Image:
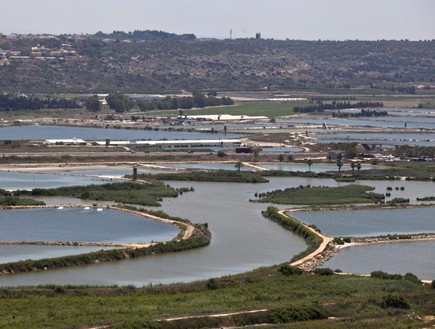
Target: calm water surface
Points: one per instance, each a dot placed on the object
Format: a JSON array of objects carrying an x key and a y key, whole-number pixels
[
  {"x": 421, "y": 139},
  {"x": 371, "y": 222},
  {"x": 13, "y": 253},
  {"x": 242, "y": 239},
  {"x": 11, "y": 180},
  {"x": 84, "y": 225},
  {"x": 37, "y": 132},
  {"x": 414, "y": 257}
]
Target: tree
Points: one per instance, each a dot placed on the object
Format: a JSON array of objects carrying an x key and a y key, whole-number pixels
[
  {"x": 145, "y": 106},
  {"x": 93, "y": 104},
  {"x": 256, "y": 153},
  {"x": 199, "y": 99},
  {"x": 309, "y": 163},
  {"x": 238, "y": 165},
  {"x": 353, "y": 165},
  {"x": 358, "y": 167},
  {"x": 281, "y": 158},
  {"x": 118, "y": 102},
  {"x": 339, "y": 164}
]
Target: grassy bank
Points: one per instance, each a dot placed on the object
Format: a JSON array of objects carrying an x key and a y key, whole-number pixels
[
  {"x": 8, "y": 199},
  {"x": 147, "y": 194},
  {"x": 313, "y": 240},
  {"x": 321, "y": 195},
  {"x": 232, "y": 176},
  {"x": 350, "y": 302}
]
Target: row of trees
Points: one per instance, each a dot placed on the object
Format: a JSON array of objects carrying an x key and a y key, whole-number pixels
[
  {"x": 15, "y": 103},
  {"x": 335, "y": 106},
  {"x": 121, "y": 103},
  {"x": 340, "y": 163},
  {"x": 362, "y": 113},
  {"x": 144, "y": 35}
]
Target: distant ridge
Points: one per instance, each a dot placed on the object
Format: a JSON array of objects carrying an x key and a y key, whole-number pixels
[{"x": 161, "y": 62}]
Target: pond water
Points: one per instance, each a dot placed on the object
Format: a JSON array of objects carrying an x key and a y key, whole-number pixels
[
  {"x": 420, "y": 139},
  {"x": 38, "y": 132},
  {"x": 315, "y": 167},
  {"x": 207, "y": 166},
  {"x": 373, "y": 222},
  {"x": 242, "y": 239},
  {"x": 404, "y": 257},
  {"x": 398, "y": 119},
  {"x": 11, "y": 180},
  {"x": 79, "y": 224},
  {"x": 282, "y": 150},
  {"x": 13, "y": 253}
]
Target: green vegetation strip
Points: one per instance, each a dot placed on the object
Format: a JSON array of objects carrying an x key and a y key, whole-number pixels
[
  {"x": 147, "y": 194},
  {"x": 321, "y": 195},
  {"x": 210, "y": 176},
  {"x": 355, "y": 302},
  {"x": 267, "y": 109},
  {"x": 7, "y": 199}
]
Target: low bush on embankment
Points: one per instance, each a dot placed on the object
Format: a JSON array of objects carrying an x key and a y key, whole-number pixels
[
  {"x": 322, "y": 195},
  {"x": 8, "y": 199},
  {"x": 230, "y": 176},
  {"x": 312, "y": 239},
  {"x": 147, "y": 194}
]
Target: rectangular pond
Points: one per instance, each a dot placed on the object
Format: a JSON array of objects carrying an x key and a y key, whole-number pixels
[
  {"x": 81, "y": 225},
  {"x": 413, "y": 257},
  {"x": 370, "y": 222}
]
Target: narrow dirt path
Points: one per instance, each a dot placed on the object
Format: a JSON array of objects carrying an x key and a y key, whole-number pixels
[{"x": 325, "y": 242}]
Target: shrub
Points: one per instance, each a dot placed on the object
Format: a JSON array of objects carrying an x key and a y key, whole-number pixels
[
  {"x": 212, "y": 284},
  {"x": 137, "y": 325},
  {"x": 433, "y": 284},
  {"x": 395, "y": 301},
  {"x": 290, "y": 270},
  {"x": 385, "y": 276},
  {"x": 314, "y": 311},
  {"x": 323, "y": 271},
  {"x": 411, "y": 277}
]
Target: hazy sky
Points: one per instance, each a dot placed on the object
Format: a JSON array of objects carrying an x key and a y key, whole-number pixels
[{"x": 279, "y": 19}]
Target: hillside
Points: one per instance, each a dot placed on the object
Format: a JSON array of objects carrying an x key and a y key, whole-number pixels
[{"x": 103, "y": 63}]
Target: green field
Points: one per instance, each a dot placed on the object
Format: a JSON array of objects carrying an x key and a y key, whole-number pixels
[
  {"x": 268, "y": 109},
  {"x": 353, "y": 302}
]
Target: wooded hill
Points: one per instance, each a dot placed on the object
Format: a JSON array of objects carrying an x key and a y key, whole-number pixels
[{"x": 149, "y": 63}]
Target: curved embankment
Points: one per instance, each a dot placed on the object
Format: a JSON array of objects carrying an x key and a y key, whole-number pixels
[
  {"x": 315, "y": 257},
  {"x": 190, "y": 236},
  {"x": 186, "y": 230},
  {"x": 329, "y": 248}
]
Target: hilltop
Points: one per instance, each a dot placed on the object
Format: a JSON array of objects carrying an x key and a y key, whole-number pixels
[{"x": 152, "y": 61}]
